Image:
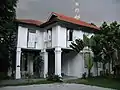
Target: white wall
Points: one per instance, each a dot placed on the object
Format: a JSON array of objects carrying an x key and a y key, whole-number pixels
[
  {"x": 88, "y": 34},
  {"x": 39, "y": 35},
  {"x": 22, "y": 37},
  {"x": 64, "y": 64},
  {"x": 62, "y": 37},
  {"x": 77, "y": 34},
  {"x": 73, "y": 64},
  {"x": 58, "y": 36},
  {"x": 54, "y": 37}
]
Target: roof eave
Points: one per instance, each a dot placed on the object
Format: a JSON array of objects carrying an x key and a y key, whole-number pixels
[
  {"x": 20, "y": 22},
  {"x": 95, "y": 29}
]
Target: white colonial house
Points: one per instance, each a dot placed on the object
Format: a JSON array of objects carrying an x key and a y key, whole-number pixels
[{"x": 51, "y": 40}]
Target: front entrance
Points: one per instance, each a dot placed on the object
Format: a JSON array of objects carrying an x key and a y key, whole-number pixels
[
  {"x": 31, "y": 64},
  {"x": 51, "y": 63}
]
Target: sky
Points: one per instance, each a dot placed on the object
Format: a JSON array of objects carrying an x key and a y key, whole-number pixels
[{"x": 95, "y": 11}]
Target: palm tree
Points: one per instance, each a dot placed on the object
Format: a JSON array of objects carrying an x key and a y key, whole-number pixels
[
  {"x": 77, "y": 45},
  {"x": 89, "y": 42},
  {"x": 89, "y": 62}
]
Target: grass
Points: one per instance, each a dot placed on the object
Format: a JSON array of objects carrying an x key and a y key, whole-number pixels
[
  {"x": 28, "y": 83},
  {"x": 102, "y": 82}
]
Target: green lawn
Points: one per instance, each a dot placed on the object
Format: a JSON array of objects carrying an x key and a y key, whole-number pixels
[
  {"x": 30, "y": 82},
  {"x": 102, "y": 82}
]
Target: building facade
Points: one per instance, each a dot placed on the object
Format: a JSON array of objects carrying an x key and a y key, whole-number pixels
[{"x": 51, "y": 41}]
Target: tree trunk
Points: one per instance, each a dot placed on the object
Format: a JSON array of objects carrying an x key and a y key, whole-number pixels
[
  {"x": 97, "y": 68},
  {"x": 109, "y": 67},
  {"x": 89, "y": 74},
  {"x": 104, "y": 69}
]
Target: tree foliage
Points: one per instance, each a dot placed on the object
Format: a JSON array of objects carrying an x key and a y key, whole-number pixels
[
  {"x": 38, "y": 62},
  {"x": 7, "y": 32},
  {"x": 77, "y": 45},
  {"x": 111, "y": 43},
  {"x": 105, "y": 45}
]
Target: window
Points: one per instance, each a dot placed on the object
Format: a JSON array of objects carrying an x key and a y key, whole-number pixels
[
  {"x": 69, "y": 34},
  {"x": 31, "y": 38},
  {"x": 45, "y": 36},
  {"x": 48, "y": 35},
  {"x": 49, "y": 32}
]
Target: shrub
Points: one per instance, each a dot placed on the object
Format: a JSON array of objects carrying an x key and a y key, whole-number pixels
[
  {"x": 28, "y": 75},
  {"x": 84, "y": 75},
  {"x": 91, "y": 74},
  {"x": 101, "y": 73},
  {"x": 3, "y": 76},
  {"x": 54, "y": 78},
  {"x": 50, "y": 77}
]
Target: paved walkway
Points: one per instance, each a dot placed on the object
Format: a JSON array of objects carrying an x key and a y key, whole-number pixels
[{"x": 56, "y": 86}]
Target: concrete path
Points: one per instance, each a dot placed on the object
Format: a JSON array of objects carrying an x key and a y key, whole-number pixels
[{"x": 56, "y": 86}]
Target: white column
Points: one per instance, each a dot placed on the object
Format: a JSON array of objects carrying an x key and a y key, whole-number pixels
[
  {"x": 45, "y": 57},
  {"x": 58, "y": 61},
  {"x": 18, "y": 57}
]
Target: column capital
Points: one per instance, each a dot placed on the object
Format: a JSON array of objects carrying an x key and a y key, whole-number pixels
[
  {"x": 18, "y": 50},
  {"x": 58, "y": 49},
  {"x": 43, "y": 50}
]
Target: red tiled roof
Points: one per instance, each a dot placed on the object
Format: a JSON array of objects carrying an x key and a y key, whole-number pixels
[
  {"x": 30, "y": 21},
  {"x": 74, "y": 21},
  {"x": 59, "y": 17}
]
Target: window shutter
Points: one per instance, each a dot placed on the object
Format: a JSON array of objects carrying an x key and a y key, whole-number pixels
[
  {"x": 49, "y": 35},
  {"x": 68, "y": 34},
  {"x": 31, "y": 38},
  {"x": 45, "y": 36}
]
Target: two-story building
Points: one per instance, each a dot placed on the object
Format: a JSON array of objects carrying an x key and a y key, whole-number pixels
[{"x": 51, "y": 40}]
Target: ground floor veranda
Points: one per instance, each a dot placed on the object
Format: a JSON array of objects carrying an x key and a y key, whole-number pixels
[{"x": 55, "y": 61}]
